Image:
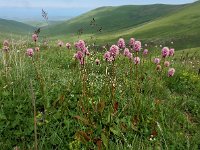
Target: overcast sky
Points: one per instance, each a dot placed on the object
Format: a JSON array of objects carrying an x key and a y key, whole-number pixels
[{"x": 82, "y": 3}]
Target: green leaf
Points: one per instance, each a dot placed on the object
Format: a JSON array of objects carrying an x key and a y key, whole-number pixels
[{"x": 105, "y": 140}]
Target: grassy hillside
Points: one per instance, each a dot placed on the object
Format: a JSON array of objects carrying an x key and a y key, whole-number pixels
[
  {"x": 181, "y": 27},
  {"x": 114, "y": 18},
  {"x": 10, "y": 26}
]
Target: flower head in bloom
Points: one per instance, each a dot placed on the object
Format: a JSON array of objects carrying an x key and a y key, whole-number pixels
[
  {"x": 132, "y": 42},
  {"x": 145, "y": 52},
  {"x": 171, "y": 52},
  {"x": 79, "y": 55},
  {"x": 37, "y": 49},
  {"x": 165, "y": 52},
  {"x": 60, "y": 43},
  {"x": 6, "y": 43},
  {"x": 35, "y": 37},
  {"x": 68, "y": 45},
  {"x": 121, "y": 43},
  {"x": 166, "y": 63},
  {"x": 130, "y": 55},
  {"x": 137, "y": 46},
  {"x": 126, "y": 52},
  {"x": 157, "y": 60},
  {"x": 158, "y": 68},
  {"x": 171, "y": 72},
  {"x": 106, "y": 56},
  {"x": 114, "y": 50},
  {"x": 80, "y": 44},
  {"x": 137, "y": 60},
  {"x": 30, "y": 52},
  {"x": 97, "y": 61}
]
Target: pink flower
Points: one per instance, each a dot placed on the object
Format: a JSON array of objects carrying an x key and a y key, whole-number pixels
[
  {"x": 165, "y": 52},
  {"x": 6, "y": 43},
  {"x": 79, "y": 55},
  {"x": 157, "y": 60},
  {"x": 158, "y": 68},
  {"x": 166, "y": 63},
  {"x": 121, "y": 43},
  {"x": 171, "y": 52},
  {"x": 126, "y": 52},
  {"x": 37, "y": 49},
  {"x": 30, "y": 52},
  {"x": 171, "y": 72},
  {"x": 132, "y": 42},
  {"x": 137, "y": 46},
  {"x": 97, "y": 61},
  {"x": 107, "y": 55},
  {"x": 35, "y": 37},
  {"x": 114, "y": 50},
  {"x": 60, "y": 43},
  {"x": 68, "y": 45},
  {"x": 137, "y": 60},
  {"x": 145, "y": 52},
  {"x": 130, "y": 55},
  {"x": 80, "y": 45}
]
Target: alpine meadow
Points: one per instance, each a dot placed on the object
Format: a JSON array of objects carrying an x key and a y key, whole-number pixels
[{"x": 115, "y": 77}]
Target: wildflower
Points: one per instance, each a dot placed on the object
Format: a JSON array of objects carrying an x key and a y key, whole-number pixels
[
  {"x": 114, "y": 50},
  {"x": 121, "y": 43},
  {"x": 171, "y": 72},
  {"x": 35, "y": 37},
  {"x": 171, "y": 52},
  {"x": 130, "y": 55},
  {"x": 79, "y": 55},
  {"x": 137, "y": 46},
  {"x": 97, "y": 61},
  {"x": 126, "y": 52},
  {"x": 107, "y": 55},
  {"x": 145, "y": 52},
  {"x": 37, "y": 49},
  {"x": 165, "y": 52},
  {"x": 68, "y": 45},
  {"x": 137, "y": 60},
  {"x": 157, "y": 61},
  {"x": 30, "y": 52},
  {"x": 60, "y": 43},
  {"x": 166, "y": 63},
  {"x": 158, "y": 68},
  {"x": 132, "y": 42},
  {"x": 81, "y": 44},
  {"x": 6, "y": 43}
]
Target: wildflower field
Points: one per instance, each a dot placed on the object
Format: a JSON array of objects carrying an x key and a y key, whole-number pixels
[{"x": 125, "y": 95}]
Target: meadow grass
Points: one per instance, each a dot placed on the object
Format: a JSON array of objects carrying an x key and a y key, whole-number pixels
[{"x": 105, "y": 106}]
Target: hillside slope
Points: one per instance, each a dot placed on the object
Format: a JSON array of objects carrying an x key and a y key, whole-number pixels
[
  {"x": 10, "y": 26},
  {"x": 182, "y": 27},
  {"x": 114, "y": 18}
]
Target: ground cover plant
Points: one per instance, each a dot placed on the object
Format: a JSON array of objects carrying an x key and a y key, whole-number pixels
[{"x": 121, "y": 96}]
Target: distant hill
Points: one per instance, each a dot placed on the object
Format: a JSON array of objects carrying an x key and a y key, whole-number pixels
[
  {"x": 114, "y": 18},
  {"x": 10, "y": 26}
]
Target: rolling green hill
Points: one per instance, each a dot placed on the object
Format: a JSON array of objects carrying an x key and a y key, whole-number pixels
[
  {"x": 114, "y": 18},
  {"x": 182, "y": 27},
  {"x": 10, "y": 26}
]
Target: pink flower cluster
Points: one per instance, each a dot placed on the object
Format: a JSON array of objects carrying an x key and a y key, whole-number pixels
[
  {"x": 121, "y": 43},
  {"x": 171, "y": 72},
  {"x": 137, "y": 60},
  {"x": 127, "y": 53},
  {"x": 68, "y": 45},
  {"x": 112, "y": 53},
  {"x": 35, "y": 37},
  {"x": 60, "y": 43},
  {"x": 30, "y": 52},
  {"x": 145, "y": 52},
  {"x": 165, "y": 52},
  {"x": 82, "y": 51},
  {"x": 157, "y": 61}
]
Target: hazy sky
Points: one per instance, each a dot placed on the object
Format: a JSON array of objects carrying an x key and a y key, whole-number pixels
[{"x": 81, "y": 3}]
